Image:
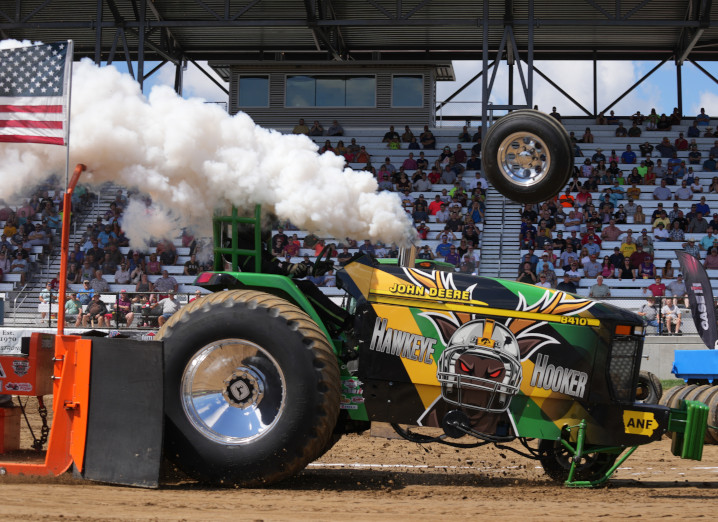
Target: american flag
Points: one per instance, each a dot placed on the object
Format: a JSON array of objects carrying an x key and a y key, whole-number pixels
[{"x": 34, "y": 93}]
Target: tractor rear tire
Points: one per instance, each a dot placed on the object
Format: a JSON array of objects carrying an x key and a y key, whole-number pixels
[
  {"x": 527, "y": 156},
  {"x": 650, "y": 389},
  {"x": 709, "y": 397},
  {"x": 252, "y": 389},
  {"x": 556, "y": 462},
  {"x": 669, "y": 394}
]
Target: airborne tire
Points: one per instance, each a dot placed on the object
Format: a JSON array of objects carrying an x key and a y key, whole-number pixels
[
  {"x": 649, "y": 389},
  {"x": 556, "y": 462},
  {"x": 527, "y": 156},
  {"x": 251, "y": 389}
]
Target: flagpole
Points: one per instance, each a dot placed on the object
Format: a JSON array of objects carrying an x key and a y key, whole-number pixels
[
  {"x": 67, "y": 198},
  {"x": 68, "y": 76}
]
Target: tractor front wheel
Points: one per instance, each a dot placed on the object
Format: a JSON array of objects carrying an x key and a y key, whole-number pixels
[{"x": 251, "y": 389}]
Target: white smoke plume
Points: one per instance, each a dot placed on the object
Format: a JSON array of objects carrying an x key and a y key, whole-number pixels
[{"x": 192, "y": 157}]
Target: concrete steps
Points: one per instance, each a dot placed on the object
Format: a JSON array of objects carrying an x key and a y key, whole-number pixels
[{"x": 500, "y": 252}]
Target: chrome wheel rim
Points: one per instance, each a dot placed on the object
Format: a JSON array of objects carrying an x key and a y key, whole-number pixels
[
  {"x": 524, "y": 158},
  {"x": 233, "y": 391}
]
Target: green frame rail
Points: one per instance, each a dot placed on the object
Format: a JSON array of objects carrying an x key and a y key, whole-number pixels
[{"x": 233, "y": 251}]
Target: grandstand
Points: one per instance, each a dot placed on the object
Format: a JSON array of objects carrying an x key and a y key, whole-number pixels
[{"x": 499, "y": 248}]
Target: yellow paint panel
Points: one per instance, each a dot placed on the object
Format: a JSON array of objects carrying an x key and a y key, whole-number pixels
[
  {"x": 361, "y": 275},
  {"x": 471, "y": 308},
  {"x": 428, "y": 393},
  {"x": 400, "y": 318},
  {"x": 639, "y": 422}
]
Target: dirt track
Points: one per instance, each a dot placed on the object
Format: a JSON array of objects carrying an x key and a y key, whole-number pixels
[{"x": 369, "y": 478}]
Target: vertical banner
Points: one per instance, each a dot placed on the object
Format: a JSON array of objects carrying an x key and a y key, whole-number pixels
[{"x": 700, "y": 298}]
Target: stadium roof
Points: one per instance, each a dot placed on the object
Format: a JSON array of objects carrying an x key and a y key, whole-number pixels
[{"x": 369, "y": 29}]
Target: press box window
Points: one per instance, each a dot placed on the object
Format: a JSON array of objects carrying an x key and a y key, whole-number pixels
[
  {"x": 254, "y": 91},
  {"x": 331, "y": 91},
  {"x": 407, "y": 91}
]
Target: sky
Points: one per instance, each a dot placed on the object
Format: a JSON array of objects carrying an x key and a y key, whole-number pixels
[{"x": 575, "y": 77}]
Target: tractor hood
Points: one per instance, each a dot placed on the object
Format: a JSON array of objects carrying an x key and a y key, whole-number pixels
[{"x": 450, "y": 291}]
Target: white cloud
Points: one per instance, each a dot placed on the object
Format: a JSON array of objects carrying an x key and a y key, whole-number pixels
[
  {"x": 574, "y": 77},
  {"x": 195, "y": 83},
  {"x": 708, "y": 100}
]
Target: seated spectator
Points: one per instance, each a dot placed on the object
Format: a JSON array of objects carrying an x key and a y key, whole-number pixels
[
  {"x": 677, "y": 289},
  {"x": 647, "y": 270},
  {"x": 191, "y": 267},
  {"x": 123, "y": 309},
  {"x": 672, "y": 316},
  {"x": 143, "y": 286},
  {"x": 657, "y": 288},
  {"x": 410, "y": 163},
  {"x": 708, "y": 241},
  {"x": 543, "y": 281},
  {"x": 608, "y": 270},
  {"x": 316, "y": 129},
  {"x": 421, "y": 208},
  {"x": 638, "y": 256},
  {"x": 390, "y": 135},
  {"x": 363, "y": 156},
  {"x": 661, "y": 234},
  {"x": 168, "y": 305},
  {"x": 711, "y": 261},
  {"x": 122, "y": 274},
  {"x": 428, "y": 141},
  {"x": 697, "y": 224},
  {"x": 460, "y": 154},
  {"x": 683, "y": 192},
  {"x": 153, "y": 267},
  {"x": 703, "y": 119},
  {"x": 301, "y": 128},
  {"x": 691, "y": 248},
  {"x": 611, "y": 232},
  {"x": 95, "y": 313},
  {"x": 694, "y": 131},
  {"x": 599, "y": 290},
  {"x": 681, "y": 143},
  {"x": 19, "y": 265},
  {"x": 464, "y": 136},
  {"x": 621, "y": 131},
  {"x": 666, "y": 148},
  {"x": 408, "y": 135},
  {"x": 73, "y": 309},
  {"x": 566, "y": 285},
  {"x": 335, "y": 129},
  {"x": 98, "y": 283},
  {"x": 527, "y": 275},
  {"x": 709, "y": 165},
  {"x": 664, "y": 123},
  {"x": 662, "y": 192},
  {"x": 628, "y": 156},
  {"x": 634, "y": 131},
  {"x": 555, "y": 114},
  {"x": 694, "y": 156},
  {"x": 327, "y": 147},
  {"x": 626, "y": 271},
  {"x": 648, "y": 313},
  {"x": 592, "y": 268}
]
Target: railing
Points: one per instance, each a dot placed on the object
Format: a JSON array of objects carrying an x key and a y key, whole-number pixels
[
  {"x": 460, "y": 113},
  {"x": 144, "y": 317}
]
